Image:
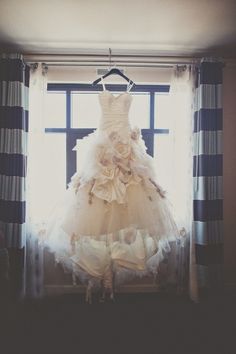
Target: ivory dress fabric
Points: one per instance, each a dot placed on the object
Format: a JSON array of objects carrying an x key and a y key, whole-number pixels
[{"x": 115, "y": 218}]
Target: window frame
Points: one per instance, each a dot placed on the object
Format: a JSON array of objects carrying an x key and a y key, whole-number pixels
[{"x": 72, "y": 134}]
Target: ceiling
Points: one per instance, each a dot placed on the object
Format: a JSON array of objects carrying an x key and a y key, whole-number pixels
[{"x": 163, "y": 27}]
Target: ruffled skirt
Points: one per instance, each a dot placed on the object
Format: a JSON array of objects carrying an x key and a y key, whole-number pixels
[{"x": 114, "y": 216}]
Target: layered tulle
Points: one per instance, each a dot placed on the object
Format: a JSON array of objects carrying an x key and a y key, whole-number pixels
[{"x": 114, "y": 218}]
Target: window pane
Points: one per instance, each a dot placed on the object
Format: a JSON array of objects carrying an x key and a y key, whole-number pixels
[
  {"x": 163, "y": 112},
  {"x": 47, "y": 180},
  {"x": 163, "y": 155},
  {"x": 85, "y": 110},
  {"x": 55, "y": 109},
  {"x": 55, "y": 174},
  {"x": 140, "y": 110}
]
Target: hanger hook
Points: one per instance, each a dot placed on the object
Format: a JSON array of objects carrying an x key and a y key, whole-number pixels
[{"x": 110, "y": 57}]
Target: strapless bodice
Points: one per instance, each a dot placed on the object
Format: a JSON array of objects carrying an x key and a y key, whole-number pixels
[{"x": 114, "y": 111}]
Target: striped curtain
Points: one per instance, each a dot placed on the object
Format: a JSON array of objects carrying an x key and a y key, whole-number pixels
[
  {"x": 14, "y": 87},
  {"x": 207, "y": 176}
]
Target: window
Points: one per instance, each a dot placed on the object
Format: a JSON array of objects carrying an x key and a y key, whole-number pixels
[{"x": 72, "y": 111}]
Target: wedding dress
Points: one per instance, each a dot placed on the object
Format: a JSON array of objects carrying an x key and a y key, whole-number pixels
[{"x": 115, "y": 219}]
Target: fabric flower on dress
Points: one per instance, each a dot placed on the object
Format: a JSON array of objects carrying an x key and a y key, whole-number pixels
[
  {"x": 123, "y": 149},
  {"x": 135, "y": 133},
  {"x": 107, "y": 165},
  {"x": 114, "y": 159},
  {"x": 109, "y": 172}
]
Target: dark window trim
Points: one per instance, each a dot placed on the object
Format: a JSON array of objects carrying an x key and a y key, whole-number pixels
[{"x": 112, "y": 87}]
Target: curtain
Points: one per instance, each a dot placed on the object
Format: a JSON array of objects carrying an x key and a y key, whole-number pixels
[
  {"x": 14, "y": 85},
  {"x": 181, "y": 95},
  {"x": 14, "y": 90},
  {"x": 207, "y": 176},
  {"x": 36, "y": 181},
  {"x": 180, "y": 193}
]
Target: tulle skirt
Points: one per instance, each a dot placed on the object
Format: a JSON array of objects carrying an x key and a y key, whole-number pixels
[{"x": 114, "y": 216}]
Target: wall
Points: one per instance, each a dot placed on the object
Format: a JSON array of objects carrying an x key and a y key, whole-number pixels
[
  {"x": 88, "y": 74},
  {"x": 229, "y": 170}
]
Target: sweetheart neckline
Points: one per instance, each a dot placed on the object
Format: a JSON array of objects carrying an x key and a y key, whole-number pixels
[{"x": 115, "y": 97}]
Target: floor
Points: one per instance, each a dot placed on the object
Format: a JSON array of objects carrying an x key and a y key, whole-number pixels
[{"x": 134, "y": 323}]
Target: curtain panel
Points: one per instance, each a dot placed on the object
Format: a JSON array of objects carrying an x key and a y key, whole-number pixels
[
  {"x": 14, "y": 88},
  {"x": 36, "y": 175},
  {"x": 208, "y": 175}
]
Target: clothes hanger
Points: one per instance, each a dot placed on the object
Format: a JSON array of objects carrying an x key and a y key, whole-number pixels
[{"x": 113, "y": 70}]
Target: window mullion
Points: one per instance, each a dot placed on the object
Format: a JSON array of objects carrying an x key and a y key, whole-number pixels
[
  {"x": 152, "y": 102},
  {"x": 68, "y": 109},
  {"x": 70, "y": 165},
  {"x": 152, "y": 112}
]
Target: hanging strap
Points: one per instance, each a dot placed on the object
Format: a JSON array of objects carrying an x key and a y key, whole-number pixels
[
  {"x": 104, "y": 87},
  {"x": 129, "y": 85}
]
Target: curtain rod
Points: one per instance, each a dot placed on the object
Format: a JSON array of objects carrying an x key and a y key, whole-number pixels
[{"x": 137, "y": 60}]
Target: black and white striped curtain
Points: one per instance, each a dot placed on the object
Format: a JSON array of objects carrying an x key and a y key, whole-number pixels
[
  {"x": 14, "y": 87},
  {"x": 208, "y": 175}
]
